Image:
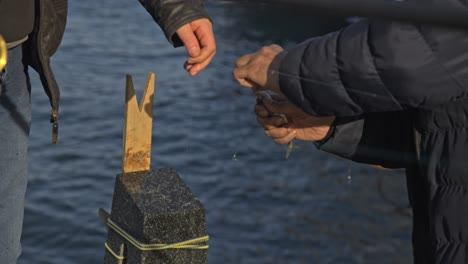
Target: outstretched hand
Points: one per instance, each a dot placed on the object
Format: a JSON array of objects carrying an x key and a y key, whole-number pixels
[
  {"x": 199, "y": 41},
  {"x": 283, "y": 121},
  {"x": 260, "y": 70}
]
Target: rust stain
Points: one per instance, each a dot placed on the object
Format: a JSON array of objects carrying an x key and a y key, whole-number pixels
[{"x": 137, "y": 160}]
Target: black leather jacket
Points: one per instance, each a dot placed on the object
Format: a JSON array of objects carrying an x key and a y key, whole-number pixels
[{"x": 49, "y": 27}]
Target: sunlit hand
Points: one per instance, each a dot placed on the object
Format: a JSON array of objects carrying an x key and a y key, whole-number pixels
[
  {"x": 198, "y": 39},
  {"x": 296, "y": 125},
  {"x": 259, "y": 70}
]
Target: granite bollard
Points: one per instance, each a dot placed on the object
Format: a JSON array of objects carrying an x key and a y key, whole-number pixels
[
  {"x": 155, "y": 207},
  {"x": 155, "y": 218}
]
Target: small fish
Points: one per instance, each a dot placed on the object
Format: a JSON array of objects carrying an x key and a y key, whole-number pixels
[
  {"x": 262, "y": 95},
  {"x": 290, "y": 147}
]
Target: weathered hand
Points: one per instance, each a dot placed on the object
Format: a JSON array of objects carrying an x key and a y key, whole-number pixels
[
  {"x": 299, "y": 125},
  {"x": 199, "y": 41},
  {"x": 260, "y": 70}
]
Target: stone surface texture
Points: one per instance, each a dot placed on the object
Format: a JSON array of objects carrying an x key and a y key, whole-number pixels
[{"x": 155, "y": 207}]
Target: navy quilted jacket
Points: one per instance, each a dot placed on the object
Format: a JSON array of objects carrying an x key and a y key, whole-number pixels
[{"x": 400, "y": 94}]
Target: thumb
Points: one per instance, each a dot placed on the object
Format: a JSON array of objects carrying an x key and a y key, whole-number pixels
[{"x": 189, "y": 39}]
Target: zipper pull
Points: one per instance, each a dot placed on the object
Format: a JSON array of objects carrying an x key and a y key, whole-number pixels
[{"x": 54, "y": 121}]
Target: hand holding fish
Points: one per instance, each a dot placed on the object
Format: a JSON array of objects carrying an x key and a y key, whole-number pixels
[
  {"x": 284, "y": 122},
  {"x": 260, "y": 70}
]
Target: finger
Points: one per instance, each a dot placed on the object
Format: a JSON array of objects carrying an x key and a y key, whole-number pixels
[
  {"x": 187, "y": 36},
  {"x": 276, "y": 48},
  {"x": 281, "y": 107},
  {"x": 187, "y": 66},
  {"x": 240, "y": 74},
  {"x": 278, "y": 97},
  {"x": 285, "y": 140},
  {"x": 246, "y": 83},
  {"x": 244, "y": 60},
  {"x": 270, "y": 123},
  {"x": 205, "y": 54},
  {"x": 261, "y": 111},
  {"x": 204, "y": 33},
  {"x": 278, "y": 132},
  {"x": 201, "y": 66}
]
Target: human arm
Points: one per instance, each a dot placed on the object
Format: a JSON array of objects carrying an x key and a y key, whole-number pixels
[
  {"x": 185, "y": 23},
  {"x": 385, "y": 139},
  {"x": 284, "y": 122},
  {"x": 376, "y": 66},
  {"x": 370, "y": 66}
]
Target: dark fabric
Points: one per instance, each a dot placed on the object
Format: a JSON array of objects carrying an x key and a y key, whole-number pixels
[
  {"x": 172, "y": 14},
  {"x": 409, "y": 85},
  {"x": 375, "y": 66},
  {"x": 384, "y": 139},
  {"x": 436, "y": 165},
  {"x": 443, "y": 164},
  {"x": 49, "y": 27},
  {"x": 16, "y": 19},
  {"x": 344, "y": 138}
]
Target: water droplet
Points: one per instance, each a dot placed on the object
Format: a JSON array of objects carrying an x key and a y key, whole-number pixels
[{"x": 348, "y": 177}]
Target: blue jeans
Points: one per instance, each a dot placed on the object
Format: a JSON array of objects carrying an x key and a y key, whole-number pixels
[{"x": 15, "y": 119}]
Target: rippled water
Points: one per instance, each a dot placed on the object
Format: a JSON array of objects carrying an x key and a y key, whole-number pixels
[{"x": 261, "y": 208}]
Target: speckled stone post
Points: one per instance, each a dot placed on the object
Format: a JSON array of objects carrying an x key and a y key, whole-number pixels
[{"x": 155, "y": 207}]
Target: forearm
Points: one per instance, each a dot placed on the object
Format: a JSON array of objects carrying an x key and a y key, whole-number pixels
[
  {"x": 375, "y": 66},
  {"x": 384, "y": 139}
]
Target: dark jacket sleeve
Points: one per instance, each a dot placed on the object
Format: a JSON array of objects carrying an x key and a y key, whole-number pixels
[
  {"x": 384, "y": 139},
  {"x": 376, "y": 66},
  {"x": 172, "y": 14}
]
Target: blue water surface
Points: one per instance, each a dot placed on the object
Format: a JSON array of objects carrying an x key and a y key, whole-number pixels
[{"x": 261, "y": 208}]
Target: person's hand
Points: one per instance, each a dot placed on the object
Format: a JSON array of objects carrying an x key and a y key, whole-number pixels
[
  {"x": 198, "y": 39},
  {"x": 260, "y": 70},
  {"x": 284, "y": 122}
]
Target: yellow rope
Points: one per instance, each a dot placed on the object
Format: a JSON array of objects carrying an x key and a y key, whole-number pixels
[
  {"x": 188, "y": 244},
  {"x": 113, "y": 253}
]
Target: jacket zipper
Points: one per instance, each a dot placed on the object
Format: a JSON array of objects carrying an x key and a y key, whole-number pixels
[{"x": 54, "y": 121}]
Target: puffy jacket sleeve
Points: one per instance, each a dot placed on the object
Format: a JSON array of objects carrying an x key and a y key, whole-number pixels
[
  {"x": 172, "y": 14},
  {"x": 384, "y": 139},
  {"x": 376, "y": 66}
]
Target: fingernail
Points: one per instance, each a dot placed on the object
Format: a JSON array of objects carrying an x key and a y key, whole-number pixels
[{"x": 194, "y": 70}]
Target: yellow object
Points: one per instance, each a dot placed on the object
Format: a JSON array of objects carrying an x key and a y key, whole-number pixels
[
  {"x": 3, "y": 53},
  {"x": 188, "y": 244},
  {"x": 138, "y": 127}
]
